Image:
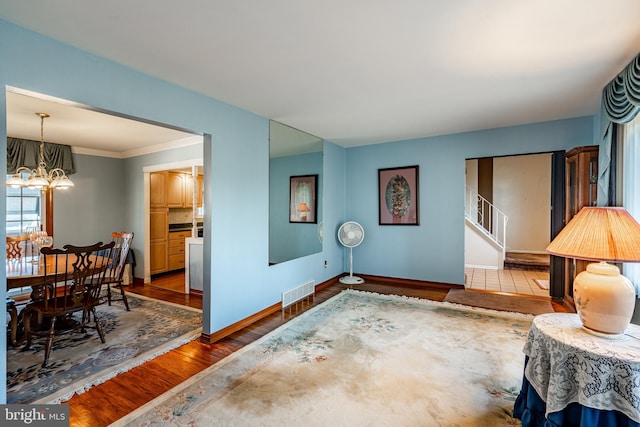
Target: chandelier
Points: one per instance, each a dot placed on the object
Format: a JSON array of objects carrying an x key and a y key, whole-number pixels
[{"x": 39, "y": 177}]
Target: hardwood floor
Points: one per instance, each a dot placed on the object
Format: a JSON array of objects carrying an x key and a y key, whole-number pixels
[
  {"x": 171, "y": 281},
  {"x": 106, "y": 403}
]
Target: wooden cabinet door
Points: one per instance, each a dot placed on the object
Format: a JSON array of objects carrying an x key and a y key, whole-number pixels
[
  {"x": 158, "y": 189},
  {"x": 159, "y": 240},
  {"x": 581, "y": 191},
  {"x": 175, "y": 190},
  {"x": 159, "y": 257},
  {"x": 188, "y": 190},
  {"x": 159, "y": 221}
]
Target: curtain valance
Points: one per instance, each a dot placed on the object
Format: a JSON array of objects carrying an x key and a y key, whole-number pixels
[
  {"x": 620, "y": 104},
  {"x": 621, "y": 97},
  {"x": 25, "y": 152}
]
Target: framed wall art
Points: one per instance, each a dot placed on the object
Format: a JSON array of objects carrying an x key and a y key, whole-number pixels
[
  {"x": 398, "y": 197},
  {"x": 303, "y": 201}
]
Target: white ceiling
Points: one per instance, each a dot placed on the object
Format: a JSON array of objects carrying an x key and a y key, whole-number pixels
[
  {"x": 88, "y": 131},
  {"x": 363, "y": 71}
]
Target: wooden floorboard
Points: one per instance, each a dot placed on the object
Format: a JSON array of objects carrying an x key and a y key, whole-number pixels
[{"x": 107, "y": 402}]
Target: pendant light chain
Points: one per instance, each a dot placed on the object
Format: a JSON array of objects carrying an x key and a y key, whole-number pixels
[{"x": 43, "y": 116}]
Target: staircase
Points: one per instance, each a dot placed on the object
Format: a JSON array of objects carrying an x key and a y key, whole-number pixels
[{"x": 487, "y": 219}]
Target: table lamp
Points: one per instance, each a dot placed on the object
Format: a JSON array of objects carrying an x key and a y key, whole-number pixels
[
  {"x": 604, "y": 298},
  {"x": 303, "y": 209}
]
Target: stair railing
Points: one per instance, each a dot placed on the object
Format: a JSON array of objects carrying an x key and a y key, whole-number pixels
[{"x": 487, "y": 218}]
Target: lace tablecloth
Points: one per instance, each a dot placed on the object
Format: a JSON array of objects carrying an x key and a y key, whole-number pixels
[{"x": 569, "y": 365}]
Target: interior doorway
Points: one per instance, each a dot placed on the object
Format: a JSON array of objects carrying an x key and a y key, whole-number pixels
[
  {"x": 190, "y": 216},
  {"x": 519, "y": 186}
]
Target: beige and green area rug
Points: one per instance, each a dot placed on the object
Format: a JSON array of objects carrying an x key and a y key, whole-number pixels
[
  {"x": 80, "y": 361},
  {"x": 361, "y": 359}
]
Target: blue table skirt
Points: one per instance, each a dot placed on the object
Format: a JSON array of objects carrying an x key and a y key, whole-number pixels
[{"x": 530, "y": 409}]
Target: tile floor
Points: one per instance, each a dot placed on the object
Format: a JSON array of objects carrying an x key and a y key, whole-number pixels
[{"x": 512, "y": 281}]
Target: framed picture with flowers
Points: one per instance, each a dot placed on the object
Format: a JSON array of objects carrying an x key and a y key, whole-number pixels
[{"x": 398, "y": 197}]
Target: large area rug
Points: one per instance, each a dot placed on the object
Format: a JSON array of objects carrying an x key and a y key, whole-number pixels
[
  {"x": 78, "y": 362},
  {"x": 499, "y": 302},
  {"x": 361, "y": 359}
]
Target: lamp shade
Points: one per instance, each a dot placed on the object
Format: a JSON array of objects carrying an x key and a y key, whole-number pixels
[
  {"x": 599, "y": 234},
  {"x": 604, "y": 299},
  {"x": 302, "y": 207}
]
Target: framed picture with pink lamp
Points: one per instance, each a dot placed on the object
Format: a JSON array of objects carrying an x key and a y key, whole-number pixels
[{"x": 303, "y": 201}]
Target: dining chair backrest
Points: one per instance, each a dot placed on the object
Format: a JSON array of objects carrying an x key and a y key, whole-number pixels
[
  {"x": 122, "y": 242},
  {"x": 72, "y": 276},
  {"x": 14, "y": 248},
  {"x": 72, "y": 281}
]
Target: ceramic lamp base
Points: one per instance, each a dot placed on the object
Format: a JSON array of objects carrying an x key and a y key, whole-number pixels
[{"x": 604, "y": 299}]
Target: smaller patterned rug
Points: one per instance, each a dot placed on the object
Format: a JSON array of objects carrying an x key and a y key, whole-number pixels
[
  {"x": 360, "y": 359},
  {"x": 79, "y": 361},
  {"x": 499, "y": 302}
]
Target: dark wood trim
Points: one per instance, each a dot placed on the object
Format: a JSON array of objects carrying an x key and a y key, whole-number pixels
[
  {"x": 558, "y": 200},
  {"x": 248, "y": 321},
  {"x": 409, "y": 282},
  {"x": 239, "y": 325},
  {"x": 48, "y": 200},
  {"x": 327, "y": 283}
]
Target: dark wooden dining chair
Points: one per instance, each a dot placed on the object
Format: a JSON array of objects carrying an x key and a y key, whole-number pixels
[
  {"x": 14, "y": 247},
  {"x": 72, "y": 281},
  {"x": 114, "y": 275}
]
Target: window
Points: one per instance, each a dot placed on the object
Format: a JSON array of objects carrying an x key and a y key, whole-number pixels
[
  {"x": 630, "y": 184},
  {"x": 28, "y": 208}
]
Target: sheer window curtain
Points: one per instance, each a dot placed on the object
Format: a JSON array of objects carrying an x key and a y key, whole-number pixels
[{"x": 631, "y": 187}]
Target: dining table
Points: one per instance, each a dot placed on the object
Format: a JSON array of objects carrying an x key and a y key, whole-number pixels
[{"x": 25, "y": 271}]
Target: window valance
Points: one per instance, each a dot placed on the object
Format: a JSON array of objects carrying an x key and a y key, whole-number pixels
[
  {"x": 620, "y": 104},
  {"x": 621, "y": 97},
  {"x": 25, "y": 152}
]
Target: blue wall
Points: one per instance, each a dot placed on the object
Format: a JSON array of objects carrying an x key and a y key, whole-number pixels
[
  {"x": 434, "y": 250},
  {"x": 90, "y": 211}
]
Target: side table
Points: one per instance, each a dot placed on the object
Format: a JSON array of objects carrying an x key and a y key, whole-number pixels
[{"x": 574, "y": 378}]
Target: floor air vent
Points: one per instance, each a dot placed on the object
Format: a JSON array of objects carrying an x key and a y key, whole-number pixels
[{"x": 296, "y": 294}]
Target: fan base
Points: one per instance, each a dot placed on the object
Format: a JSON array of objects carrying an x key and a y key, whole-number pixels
[{"x": 351, "y": 280}]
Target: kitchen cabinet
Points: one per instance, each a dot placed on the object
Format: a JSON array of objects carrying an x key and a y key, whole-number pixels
[
  {"x": 176, "y": 189},
  {"x": 179, "y": 190},
  {"x": 581, "y": 191},
  {"x": 171, "y": 189},
  {"x": 188, "y": 191},
  {"x": 177, "y": 249},
  {"x": 158, "y": 190},
  {"x": 159, "y": 240}
]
